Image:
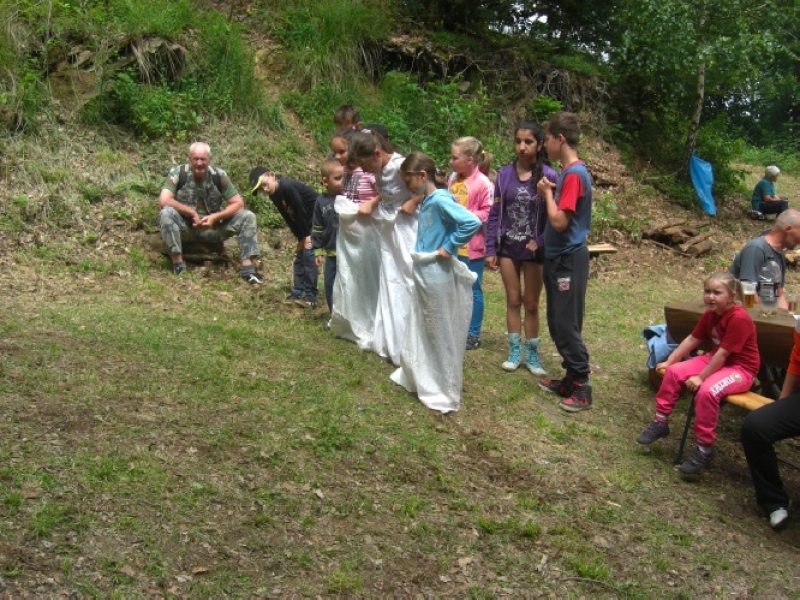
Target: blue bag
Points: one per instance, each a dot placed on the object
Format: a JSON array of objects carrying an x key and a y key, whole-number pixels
[
  {"x": 703, "y": 180},
  {"x": 659, "y": 344}
]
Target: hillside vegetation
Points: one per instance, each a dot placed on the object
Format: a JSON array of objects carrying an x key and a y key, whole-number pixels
[{"x": 190, "y": 437}]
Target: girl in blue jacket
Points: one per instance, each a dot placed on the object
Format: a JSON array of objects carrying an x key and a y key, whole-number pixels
[{"x": 435, "y": 341}]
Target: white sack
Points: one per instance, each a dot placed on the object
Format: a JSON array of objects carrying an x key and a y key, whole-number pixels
[
  {"x": 355, "y": 291},
  {"x": 435, "y": 342},
  {"x": 398, "y": 236}
]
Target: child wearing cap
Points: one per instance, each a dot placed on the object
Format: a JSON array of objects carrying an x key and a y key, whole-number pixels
[{"x": 295, "y": 201}]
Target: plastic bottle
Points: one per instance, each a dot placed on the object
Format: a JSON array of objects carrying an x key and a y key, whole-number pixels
[{"x": 769, "y": 278}]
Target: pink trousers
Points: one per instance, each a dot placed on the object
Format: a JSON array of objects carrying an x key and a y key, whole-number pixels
[{"x": 728, "y": 380}]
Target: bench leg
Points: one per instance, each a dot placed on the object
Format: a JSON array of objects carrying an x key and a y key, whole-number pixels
[{"x": 689, "y": 417}]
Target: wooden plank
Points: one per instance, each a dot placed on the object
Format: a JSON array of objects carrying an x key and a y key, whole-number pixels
[
  {"x": 748, "y": 401},
  {"x": 595, "y": 249}
]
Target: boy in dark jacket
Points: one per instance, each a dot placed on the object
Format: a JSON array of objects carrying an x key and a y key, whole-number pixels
[
  {"x": 325, "y": 225},
  {"x": 295, "y": 201}
]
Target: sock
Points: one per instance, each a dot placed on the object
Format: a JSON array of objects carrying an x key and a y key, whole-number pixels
[
  {"x": 661, "y": 418},
  {"x": 704, "y": 449}
]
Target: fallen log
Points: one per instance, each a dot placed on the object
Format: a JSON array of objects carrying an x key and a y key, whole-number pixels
[
  {"x": 662, "y": 226},
  {"x": 696, "y": 240},
  {"x": 703, "y": 247}
]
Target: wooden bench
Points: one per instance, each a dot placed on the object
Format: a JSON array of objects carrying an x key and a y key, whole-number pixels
[{"x": 747, "y": 401}]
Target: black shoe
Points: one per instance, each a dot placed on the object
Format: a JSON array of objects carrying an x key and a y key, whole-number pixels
[
  {"x": 580, "y": 399},
  {"x": 562, "y": 387},
  {"x": 697, "y": 461},
  {"x": 473, "y": 341},
  {"x": 654, "y": 431},
  {"x": 178, "y": 269},
  {"x": 252, "y": 278},
  {"x": 292, "y": 298}
]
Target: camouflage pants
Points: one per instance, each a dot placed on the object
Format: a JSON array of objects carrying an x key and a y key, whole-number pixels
[{"x": 175, "y": 229}]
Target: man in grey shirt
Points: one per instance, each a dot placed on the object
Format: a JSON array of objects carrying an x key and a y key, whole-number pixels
[{"x": 784, "y": 235}]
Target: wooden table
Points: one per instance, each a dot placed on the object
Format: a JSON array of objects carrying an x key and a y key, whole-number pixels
[{"x": 775, "y": 338}]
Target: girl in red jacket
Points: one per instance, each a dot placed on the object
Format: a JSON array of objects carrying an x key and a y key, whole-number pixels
[{"x": 729, "y": 369}]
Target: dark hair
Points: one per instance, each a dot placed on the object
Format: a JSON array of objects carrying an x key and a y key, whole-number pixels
[
  {"x": 417, "y": 162},
  {"x": 346, "y": 133},
  {"x": 363, "y": 145},
  {"x": 347, "y": 113},
  {"x": 541, "y": 155},
  {"x": 566, "y": 124},
  {"x": 377, "y": 128}
]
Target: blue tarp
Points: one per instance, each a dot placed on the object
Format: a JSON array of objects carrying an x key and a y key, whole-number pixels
[{"x": 703, "y": 179}]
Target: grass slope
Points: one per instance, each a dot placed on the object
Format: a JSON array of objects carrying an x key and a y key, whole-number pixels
[{"x": 192, "y": 437}]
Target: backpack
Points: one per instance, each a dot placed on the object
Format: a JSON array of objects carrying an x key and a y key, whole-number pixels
[{"x": 183, "y": 177}]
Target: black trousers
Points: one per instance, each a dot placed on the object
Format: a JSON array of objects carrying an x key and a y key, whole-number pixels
[
  {"x": 566, "y": 277},
  {"x": 330, "y": 279},
  {"x": 775, "y": 207},
  {"x": 760, "y": 430}
]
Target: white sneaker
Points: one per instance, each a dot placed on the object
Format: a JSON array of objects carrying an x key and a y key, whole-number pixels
[{"x": 778, "y": 518}]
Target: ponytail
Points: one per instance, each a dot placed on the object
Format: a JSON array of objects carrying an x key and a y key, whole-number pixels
[
  {"x": 364, "y": 143},
  {"x": 471, "y": 148}
]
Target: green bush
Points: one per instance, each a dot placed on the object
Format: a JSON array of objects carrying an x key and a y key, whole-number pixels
[
  {"x": 221, "y": 67},
  {"x": 315, "y": 107},
  {"x": 429, "y": 117},
  {"x": 330, "y": 40},
  {"x": 542, "y": 108},
  {"x": 718, "y": 147},
  {"x": 94, "y": 23},
  {"x": 23, "y": 96},
  {"x": 606, "y": 216},
  {"x": 786, "y": 158},
  {"x": 217, "y": 79},
  {"x": 150, "y": 111}
]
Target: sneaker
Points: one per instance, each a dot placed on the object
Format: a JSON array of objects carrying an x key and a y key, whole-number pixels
[
  {"x": 514, "y": 353},
  {"x": 292, "y": 298},
  {"x": 253, "y": 278},
  {"x": 532, "y": 358},
  {"x": 697, "y": 461},
  {"x": 306, "y": 301},
  {"x": 778, "y": 519},
  {"x": 473, "y": 341},
  {"x": 654, "y": 431},
  {"x": 178, "y": 269},
  {"x": 580, "y": 399},
  {"x": 562, "y": 387}
]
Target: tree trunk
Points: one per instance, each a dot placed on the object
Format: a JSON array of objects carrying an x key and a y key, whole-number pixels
[{"x": 694, "y": 126}]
